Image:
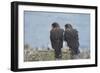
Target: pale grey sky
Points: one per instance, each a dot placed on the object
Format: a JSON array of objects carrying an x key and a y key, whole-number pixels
[{"x": 38, "y": 24}]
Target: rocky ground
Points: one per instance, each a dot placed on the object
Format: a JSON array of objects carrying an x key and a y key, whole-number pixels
[{"x": 47, "y": 55}]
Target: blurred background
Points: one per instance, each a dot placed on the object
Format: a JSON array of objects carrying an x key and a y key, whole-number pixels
[{"x": 38, "y": 25}]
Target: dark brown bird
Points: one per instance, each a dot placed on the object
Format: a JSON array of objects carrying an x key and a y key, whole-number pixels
[
  {"x": 56, "y": 37},
  {"x": 72, "y": 39}
]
